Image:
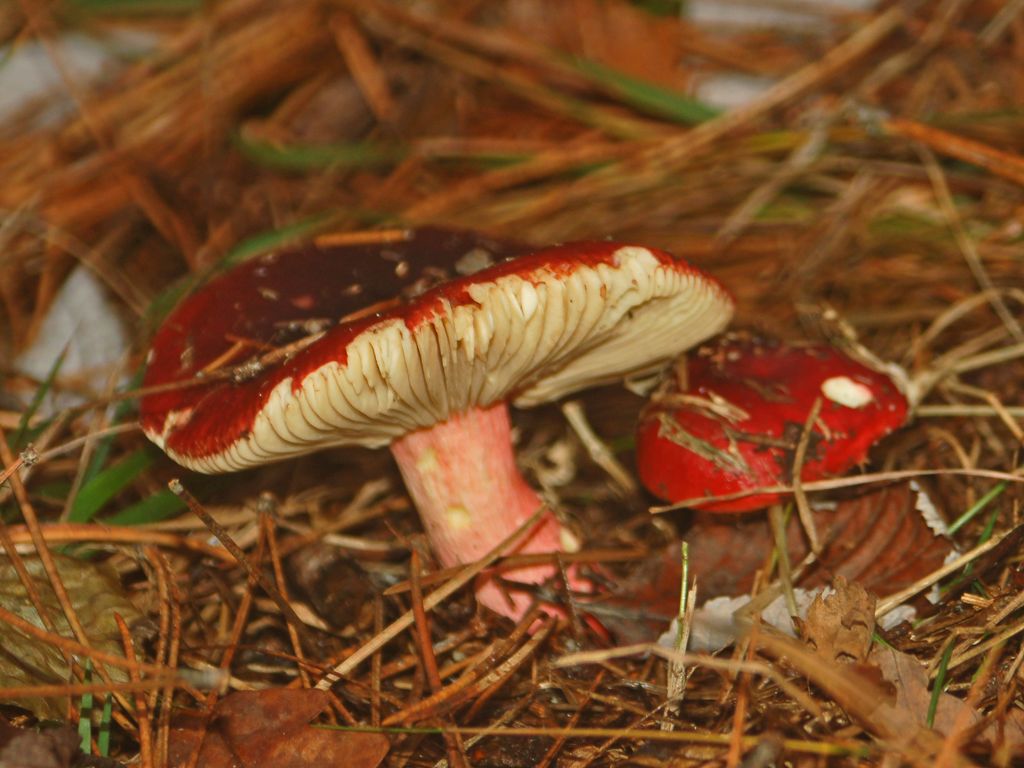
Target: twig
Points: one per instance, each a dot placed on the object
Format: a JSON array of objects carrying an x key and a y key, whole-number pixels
[
  {"x": 366, "y": 71},
  {"x": 999, "y": 162},
  {"x": 1000, "y": 22},
  {"x": 46, "y": 558},
  {"x": 559, "y": 743},
  {"x": 435, "y": 598},
  {"x": 695, "y": 660},
  {"x": 803, "y": 507},
  {"x": 255, "y": 576},
  {"x": 967, "y": 246},
  {"x": 142, "y": 711},
  {"x": 671, "y": 151},
  {"x": 68, "y": 645},
  {"x": 151, "y": 683},
  {"x": 456, "y": 757},
  {"x": 799, "y": 161},
  {"x": 676, "y": 670},
  {"x": 596, "y": 448},
  {"x": 169, "y": 644},
  {"x": 281, "y": 585},
  {"x": 843, "y": 482},
  {"x": 889, "y": 603},
  {"x": 778, "y": 526},
  {"x": 63, "y": 533},
  {"x": 423, "y": 707}
]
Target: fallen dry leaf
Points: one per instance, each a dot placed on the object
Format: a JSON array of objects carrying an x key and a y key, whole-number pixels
[
  {"x": 97, "y": 596},
  {"x": 858, "y": 692},
  {"x": 839, "y": 626},
  {"x": 878, "y": 539},
  {"x": 29, "y": 748},
  {"x": 910, "y": 680},
  {"x": 270, "y": 729},
  {"x": 615, "y": 34}
]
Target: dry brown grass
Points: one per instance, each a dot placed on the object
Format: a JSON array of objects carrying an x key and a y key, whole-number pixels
[{"x": 872, "y": 196}]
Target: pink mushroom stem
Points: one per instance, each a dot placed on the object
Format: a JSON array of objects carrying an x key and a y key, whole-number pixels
[{"x": 462, "y": 475}]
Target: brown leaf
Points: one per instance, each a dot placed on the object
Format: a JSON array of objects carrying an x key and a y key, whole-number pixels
[
  {"x": 839, "y": 627},
  {"x": 878, "y": 539},
  {"x": 616, "y": 34},
  {"x": 22, "y": 748},
  {"x": 910, "y": 680},
  {"x": 269, "y": 728},
  {"x": 862, "y": 698},
  {"x": 97, "y": 596}
]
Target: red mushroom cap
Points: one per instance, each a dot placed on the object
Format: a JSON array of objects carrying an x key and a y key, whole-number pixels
[
  {"x": 399, "y": 336},
  {"x": 736, "y": 424},
  {"x": 321, "y": 292}
]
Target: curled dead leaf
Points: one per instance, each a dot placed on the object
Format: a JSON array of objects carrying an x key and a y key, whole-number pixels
[
  {"x": 270, "y": 729},
  {"x": 839, "y": 625},
  {"x": 879, "y": 540},
  {"x": 909, "y": 680}
]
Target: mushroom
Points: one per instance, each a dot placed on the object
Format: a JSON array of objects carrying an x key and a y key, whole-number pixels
[
  {"x": 418, "y": 339},
  {"x": 734, "y": 421}
]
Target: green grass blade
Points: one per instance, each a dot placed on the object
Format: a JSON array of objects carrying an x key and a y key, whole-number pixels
[
  {"x": 37, "y": 399},
  {"x": 97, "y": 493},
  {"x": 644, "y": 95},
  {"x": 661, "y": 7},
  {"x": 976, "y": 508},
  {"x": 968, "y": 570},
  {"x": 306, "y": 157},
  {"x": 940, "y": 684},
  {"x": 135, "y": 7},
  {"x": 54, "y": 492},
  {"x": 101, "y": 452},
  {"x": 159, "y": 506},
  {"x": 103, "y": 737},
  {"x": 85, "y": 714},
  {"x": 267, "y": 241}
]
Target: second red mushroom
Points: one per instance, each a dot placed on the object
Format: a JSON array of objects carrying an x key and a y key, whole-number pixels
[{"x": 731, "y": 418}]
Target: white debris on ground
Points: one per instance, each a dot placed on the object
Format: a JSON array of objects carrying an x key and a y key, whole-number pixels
[
  {"x": 809, "y": 18},
  {"x": 715, "y": 626},
  {"x": 930, "y": 515},
  {"x": 29, "y": 72},
  {"x": 728, "y": 90},
  {"x": 81, "y": 318}
]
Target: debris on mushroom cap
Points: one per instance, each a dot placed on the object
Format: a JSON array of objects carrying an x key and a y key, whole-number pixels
[
  {"x": 383, "y": 338},
  {"x": 737, "y": 424}
]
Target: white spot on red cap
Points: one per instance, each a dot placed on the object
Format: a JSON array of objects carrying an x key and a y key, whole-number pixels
[
  {"x": 847, "y": 392},
  {"x": 473, "y": 261}
]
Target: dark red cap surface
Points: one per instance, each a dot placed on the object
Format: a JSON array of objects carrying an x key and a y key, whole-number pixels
[
  {"x": 270, "y": 301},
  {"x": 384, "y": 294}
]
